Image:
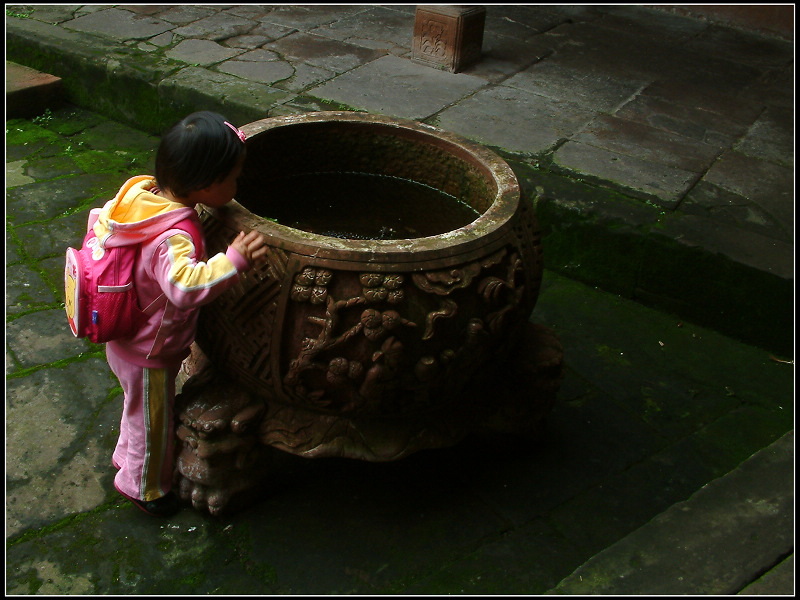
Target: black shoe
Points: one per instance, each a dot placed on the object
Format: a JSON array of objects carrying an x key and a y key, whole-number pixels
[{"x": 166, "y": 506}]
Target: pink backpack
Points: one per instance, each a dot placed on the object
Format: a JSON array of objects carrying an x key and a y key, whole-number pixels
[{"x": 101, "y": 300}]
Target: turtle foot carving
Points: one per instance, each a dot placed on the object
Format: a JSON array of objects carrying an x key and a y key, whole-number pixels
[{"x": 220, "y": 457}]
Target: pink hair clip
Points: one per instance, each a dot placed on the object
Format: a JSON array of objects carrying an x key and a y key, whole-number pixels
[{"x": 237, "y": 131}]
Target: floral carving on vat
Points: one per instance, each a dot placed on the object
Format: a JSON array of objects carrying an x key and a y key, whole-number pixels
[{"x": 355, "y": 346}]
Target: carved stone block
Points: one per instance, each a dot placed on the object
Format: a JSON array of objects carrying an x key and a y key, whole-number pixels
[{"x": 448, "y": 37}]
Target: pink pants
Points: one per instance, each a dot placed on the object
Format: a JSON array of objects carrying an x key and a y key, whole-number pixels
[{"x": 144, "y": 452}]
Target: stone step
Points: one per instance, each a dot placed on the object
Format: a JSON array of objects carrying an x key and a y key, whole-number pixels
[
  {"x": 735, "y": 534},
  {"x": 29, "y": 92}
]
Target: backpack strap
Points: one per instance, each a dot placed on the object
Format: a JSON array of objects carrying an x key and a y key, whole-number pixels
[
  {"x": 192, "y": 227},
  {"x": 187, "y": 225}
]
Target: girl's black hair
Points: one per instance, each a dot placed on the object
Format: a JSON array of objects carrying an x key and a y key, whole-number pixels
[{"x": 197, "y": 152}]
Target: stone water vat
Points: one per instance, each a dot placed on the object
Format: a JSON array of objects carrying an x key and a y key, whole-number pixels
[{"x": 364, "y": 348}]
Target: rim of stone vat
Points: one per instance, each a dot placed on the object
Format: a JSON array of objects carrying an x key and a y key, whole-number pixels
[{"x": 473, "y": 238}]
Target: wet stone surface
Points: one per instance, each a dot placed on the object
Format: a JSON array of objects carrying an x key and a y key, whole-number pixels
[
  {"x": 652, "y": 407},
  {"x": 68, "y": 409}
]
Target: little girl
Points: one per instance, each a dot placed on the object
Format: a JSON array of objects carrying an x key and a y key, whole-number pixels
[{"x": 198, "y": 161}]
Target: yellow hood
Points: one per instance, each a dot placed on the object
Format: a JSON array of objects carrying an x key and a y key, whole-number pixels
[{"x": 136, "y": 214}]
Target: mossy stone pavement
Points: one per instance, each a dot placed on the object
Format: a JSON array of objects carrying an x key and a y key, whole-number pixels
[
  {"x": 667, "y": 464},
  {"x": 653, "y": 413}
]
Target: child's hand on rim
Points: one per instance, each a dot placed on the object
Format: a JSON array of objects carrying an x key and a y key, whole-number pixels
[{"x": 253, "y": 246}]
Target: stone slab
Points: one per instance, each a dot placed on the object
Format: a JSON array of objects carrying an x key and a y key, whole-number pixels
[
  {"x": 43, "y": 337},
  {"x": 645, "y": 22},
  {"x": 241, "y": 100},
  {"x": 38, "y": 200},
  {"x": 744, "y": 47},
  {"x": 708, "y": 200},
  {"x": 216, "y": 27},
  {"x": 266, "y": 72},
  {"x": 29, "y": 92},
  {"x": 496, "y": 568},
  {"x": 182, "y": 15},
  {"x": 524, "y": 22},
  {"x": 775, "y": 87},
  {"x": 322, "y": 52},
  {"x": 650, "y": 181},
  {"x": 68, "y": 411},
  {"x": 770, "y": 137},
  {"x": 201, "y": 52},
  {"x": 742, "y": 247},
  {"x": 650, "y": 144},
  {"x": 119, "y": 25},
  {"x": 307, "y": 18},
  {"x": 248, "y": 42},
  {"x": 398, "y": 87},
  {"x": 25, "y": 289},
  {"x": 271, "y": 31},
  {"x": 503, "y": 57},
  {"x": 514, "y": 120},
  {"x": 693, "y": 548},
  {"x": 290, "y": 76},
  {"x": 54, "y": 14},
  {"x": 379, "y": 28},
  {"x": 588, "y": 46},
  {"x": 252, "y": 12},
  {"x": 50, "y": 168},
  {"x": 689, "y": 121},
  {"x": 716, "y": 100},
  {"x": 777, "y": 581},
  {"x": 594, "y": 91},
  {"x": 15, "y": 174},
  {"x": 39, "y": 239},
  {"x": 760, "y": 182}
]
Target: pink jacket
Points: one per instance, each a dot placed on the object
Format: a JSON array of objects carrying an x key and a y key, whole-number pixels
[{"x": 167, "y": 265}]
